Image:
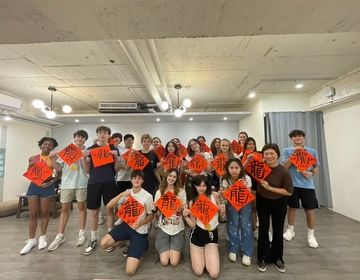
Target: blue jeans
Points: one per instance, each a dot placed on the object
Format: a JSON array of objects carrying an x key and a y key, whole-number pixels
[{"x": 239, "y": 228}]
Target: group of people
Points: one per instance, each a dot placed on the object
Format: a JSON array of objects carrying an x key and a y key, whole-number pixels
[{"x": 116, "y": 184}]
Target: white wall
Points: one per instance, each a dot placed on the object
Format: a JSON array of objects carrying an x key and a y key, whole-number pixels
[
  {"x": 21, "y": 143},
  {"x": 165, "y": 131},
  {"x": 280, "y": 102},
  {"x": 342, "y": 134}
]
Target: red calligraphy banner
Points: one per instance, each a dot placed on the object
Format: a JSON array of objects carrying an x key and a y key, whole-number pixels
[
  {"x": 204, "y": 209},
  {"x": 126, "y": 155},
  {"x": 101, "y": 156},
  {"x": 70, "y": 154},
  {"x": 219, "y": 164},
  {"x": 258, "y": 169},
  {"x": 302, "y": 159},
  {"x": 204, "y": 147},
  {"x": 238, "y": 195},
  {"x": 38, "y": 173},
  {"x": 130, "y": 211},
  {"x": 182, "y": 151},
  {"x": 168, "y": 204},
  {"x": 236, "y": 147},
  {"x": 137, "y": 161},
  {"x": 171, "y": 161},
  {"x": 197, "y": 164},
  {"x": 159, "y": 151},
  {"x": 255, "y": 155}
]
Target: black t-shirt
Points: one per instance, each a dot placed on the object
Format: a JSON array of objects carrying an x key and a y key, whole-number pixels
[
  {"x": 151, "y": 183},
  {"x": 102, "y": 174}
]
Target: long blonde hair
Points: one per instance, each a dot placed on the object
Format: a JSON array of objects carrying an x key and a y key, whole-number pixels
[{"x": 164, "y": 184}]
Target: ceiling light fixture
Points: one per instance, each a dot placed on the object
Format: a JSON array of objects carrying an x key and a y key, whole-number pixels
[
  {"x": 299, "y": 85},
  {"x": 225, "y": 118},
  {"x": 191, "y": 119},
  {"x": 177, "y": 109},
  {"x": 157, "y": 119},
  {"x": 49, "y": 111},
  {"x": 252, "y": 94},
  {"x": 7, "y": 118},
  {"x": 102, "y": 120},
  {"x": 77, "y": 121}
]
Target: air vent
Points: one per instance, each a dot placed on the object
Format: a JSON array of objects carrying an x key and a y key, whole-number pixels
[{"x": 115, "y": 107}]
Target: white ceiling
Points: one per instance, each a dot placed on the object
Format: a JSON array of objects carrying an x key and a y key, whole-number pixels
[{"x": 75, "y": 48}]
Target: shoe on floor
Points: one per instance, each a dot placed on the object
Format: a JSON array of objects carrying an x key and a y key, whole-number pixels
[
  {"x": 125, "y": 252},
  {"x": 246, "y": 260},
  {"x": 42, "y": 242},
  {"x": 289, "y": 235},
  {"x": 59, "y": 239},
  {"x": 90, "y": 247},
  {"x": 261, "y": 266},
  {"x": 81, "y": 240},
  {"x": 232, "y": 257},
  {"x": 280, "y": 266},
  {"x": 270, "y": 237},
  {"x": 30, "y": 243},
  {"x": 312, "y": 242},
  {"x": 110, "y": 249},
  {"x": 101, "y": 219}
]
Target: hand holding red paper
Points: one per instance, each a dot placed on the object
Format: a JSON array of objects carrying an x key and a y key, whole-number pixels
[
  {"x": 130, "y": 211},
  {"x": 168, "y": 204},
  {"x": 302, "y": 159},
  {"x": 198, "y": 164},
  {"x": 38, "y": 173},
  {"x": 219, "y": 164},
  {"x": 204, "y": 209},
  {"x": 238, "y": 195},
  {"x": 137, "y": 161},
  {"x": 258, "y": 169},
  {"x": 171, "y": 161},
  {"x": 70, "y": 154},
  {"x": 101, "y": 156}
]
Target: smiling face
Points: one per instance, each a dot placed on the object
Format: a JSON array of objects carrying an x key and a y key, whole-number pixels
[
  {"x": 242, "y": 138},
  {"x": 298, "y": 140},
  {"x": 146, "y": 143},
  {"x": 224, "y": 146},
  {"x": 171, "y": 148},
  {"x": 217, "y": 143},
  {"x": 129, "y": 142},
  {"x": 195, "y": 147},
  {"x": 201, "y": 189},
  {"x": 270, "y": 157},
  {"x": 137, "y": 181},
  {"x": 171, "y": 178},
  {"x": 103, "y": 136},
  {"x": 251, "y": 146},
  {"x": 46, "y": 147},
  {"x": 156, "y": 142},
  {"x": 79, "y": 140}
]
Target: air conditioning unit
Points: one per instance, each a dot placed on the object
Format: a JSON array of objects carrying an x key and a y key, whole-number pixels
[
  {"x": 9, "y": 102},
  {"x": 118, "y": 107}
]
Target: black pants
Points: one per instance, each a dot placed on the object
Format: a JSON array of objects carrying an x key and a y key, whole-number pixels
[{"x": 276, "y": 209}]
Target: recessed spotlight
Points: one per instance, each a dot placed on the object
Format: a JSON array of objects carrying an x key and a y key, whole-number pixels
[
  {"x": 77, "y": 120},
  {"x": 7, "y": 118},
  {"x": 157, "y": 119},
  {"x": 102, "y": 120},
  {"x": 225, "y": 118},
  {"x": 252, "y": 94},
  {"x": 299, "y": 85},
  {"x": 191, "y": 119}
]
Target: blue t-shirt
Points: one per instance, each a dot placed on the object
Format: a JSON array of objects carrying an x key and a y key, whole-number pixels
[
  {"x": 104, "y": 173},
  {"x": 299, "y": 180}
]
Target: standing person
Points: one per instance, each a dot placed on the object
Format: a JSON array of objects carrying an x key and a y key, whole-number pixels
[
  {"x": 151, "y": 181},
  {"x": 304, "y": 189},
  {"x": 204, "y": 251},
  {"x": 239, "y": 223},
  {"x": 242, "y": 136},
  {"x": 137, "y": 233},
  {"x": 123, "y": 176},
  {"x": 101, "y": 184},
  {"x": 170, "y": 147},
  {"x": 73, "y": 186},
  {"x": 39, "y": 197},
  {"x": 271, "y": 202},
  {"x": 169, "y": 240}
]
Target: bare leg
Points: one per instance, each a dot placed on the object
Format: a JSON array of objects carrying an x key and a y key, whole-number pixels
[
  {"x": 64, "y": 216},
  {"x": 212, "y": 260},
  {"x": 34, "y": 208},
  {"x": 45, "y": 213},
  {"x": 291, "y": 216},
  {"x": 197, "y": 255},
  {"x": 82, "y": 214},
  {"x": 310, "y": 218}
]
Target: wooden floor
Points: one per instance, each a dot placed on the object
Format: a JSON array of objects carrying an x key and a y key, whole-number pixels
[{"x": 338, "y": 256}]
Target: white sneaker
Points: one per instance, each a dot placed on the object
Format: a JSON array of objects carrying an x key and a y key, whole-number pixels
[
  {"x": 30, "y": 243},
  {"x": 232, "y": 257},
  {"x": 289, "y": 235},
  {"x": 81, "y": 240},
  {"x": 59, "y": 239},
  {"x": 246, "y": 260},
  {"x": 270, "y": 237},
  {"x": 312, "y": 241},
  {"x": 42, "y": 242}
]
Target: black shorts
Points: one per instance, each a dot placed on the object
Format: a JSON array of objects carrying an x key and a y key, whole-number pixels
[
  {"x": 138, "y": 242},
  {"x": 123, "y": 186},
  {"x": 200, "y": 237},
  {"x": 307, "y": 197},
  {"x": 95, "y": 191}
]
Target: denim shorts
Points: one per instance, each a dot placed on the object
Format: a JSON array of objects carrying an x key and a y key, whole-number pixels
[{"x": 34, "y": 190}]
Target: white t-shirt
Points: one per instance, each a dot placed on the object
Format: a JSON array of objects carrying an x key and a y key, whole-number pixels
[
  {"x": 213, "y": 222},
  {"x": 175, "y": 223},
  {"x": 146, "y": 200},
  {"x": 123, "y": 175},
  {"x": 246, "y": 181},
  {"x": 73, "y": 176}
]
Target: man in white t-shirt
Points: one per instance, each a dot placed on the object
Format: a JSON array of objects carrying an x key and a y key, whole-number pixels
[
  {"x": 74, "y": 181},
  {"x": 137, "y": 232}
]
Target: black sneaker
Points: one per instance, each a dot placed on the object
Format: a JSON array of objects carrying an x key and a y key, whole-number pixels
[
  {"x": 90, "y": 247},
  {"x": 280, "y": 266},
  {"x": 125, "y": 252},
  {"x": 261, "y": 266}
]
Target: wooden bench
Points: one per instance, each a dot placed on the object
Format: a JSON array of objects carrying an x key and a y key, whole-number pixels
[{"x": 23, "y": 205}]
